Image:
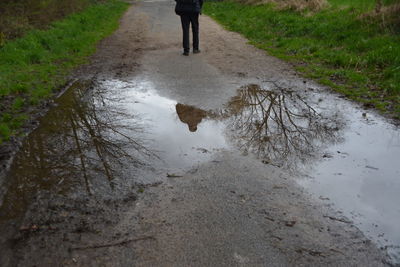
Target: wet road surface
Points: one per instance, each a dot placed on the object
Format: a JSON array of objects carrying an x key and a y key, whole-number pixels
[{"x": 155, "y": 159}]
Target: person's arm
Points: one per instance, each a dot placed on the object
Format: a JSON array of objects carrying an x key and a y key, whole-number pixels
[{"x": 201, "y": 5}]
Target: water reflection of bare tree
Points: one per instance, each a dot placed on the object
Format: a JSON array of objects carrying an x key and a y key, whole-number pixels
[
  {"x": 279, "y": 126},
  {"x": 85, "y": 140},
  {"x": 102, "y": 136}
]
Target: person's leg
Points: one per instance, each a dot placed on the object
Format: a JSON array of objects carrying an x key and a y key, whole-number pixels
[
  {"x": 185, "y": 20},
  {"x": 194, "y": 19}
]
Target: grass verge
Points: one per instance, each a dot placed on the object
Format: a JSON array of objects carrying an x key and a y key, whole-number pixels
[
  {"x": 33, "y": 66},
  {"x": 20, "y": 16},
  {"x": 354, "y": 56}
]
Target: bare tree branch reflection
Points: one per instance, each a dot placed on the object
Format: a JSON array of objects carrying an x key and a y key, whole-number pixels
[
  {"x": 84, "y": 141},
  {"x": 279, "y": 126}
]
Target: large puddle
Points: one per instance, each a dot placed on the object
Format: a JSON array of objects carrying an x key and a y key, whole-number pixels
[
  {"x": 183, "y": 136},
  {"x": 361, "y": 176},
  {"x": 278, "y": 127},
  {"x": 117, "y": 134}
]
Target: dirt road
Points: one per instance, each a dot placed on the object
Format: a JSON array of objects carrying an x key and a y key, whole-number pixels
[{"x": 151, "y": 158}]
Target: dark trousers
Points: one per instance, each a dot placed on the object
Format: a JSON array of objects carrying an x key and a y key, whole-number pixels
[{"x": 187, "y": 19}]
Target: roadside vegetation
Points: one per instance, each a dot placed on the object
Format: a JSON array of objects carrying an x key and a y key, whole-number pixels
[
  {"x": 20, "y": 16},
  {"x": 353, "y": 46},
  {"x": 46, "y": 42}
]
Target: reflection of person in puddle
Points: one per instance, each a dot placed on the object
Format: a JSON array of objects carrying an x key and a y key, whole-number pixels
[{"x": 190, "y": 115}]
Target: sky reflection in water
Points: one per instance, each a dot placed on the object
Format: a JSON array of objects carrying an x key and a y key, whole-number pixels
[
  {"x": 352, "y": 160},
  {"x": 97, "y": 140}
]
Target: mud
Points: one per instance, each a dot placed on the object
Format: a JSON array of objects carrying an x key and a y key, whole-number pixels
[{"x": 155, "y": 159}]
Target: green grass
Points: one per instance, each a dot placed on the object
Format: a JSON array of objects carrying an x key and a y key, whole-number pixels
[
  {"x": 334, "y": 46},
  {"x": 33, "y": 66}
]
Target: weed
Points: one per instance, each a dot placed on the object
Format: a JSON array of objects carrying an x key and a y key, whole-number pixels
[
  {"x": 18, "y": 104},
  {"x": 5, "y": 132}
]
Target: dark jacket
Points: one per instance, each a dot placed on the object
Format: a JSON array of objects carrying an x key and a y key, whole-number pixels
[{"x": 188, "y": 6}]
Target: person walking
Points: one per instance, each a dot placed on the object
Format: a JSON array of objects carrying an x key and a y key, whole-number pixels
[{"x": 189, "y": 11}]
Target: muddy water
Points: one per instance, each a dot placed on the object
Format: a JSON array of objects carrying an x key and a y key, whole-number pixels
[
  {"x": 182, "y": 135},
  {"x": 344, "y": 155},
  {"x": 78, "y": 148},
  {"x": 277, "y": 126},
  {"x": 103, "y": 138},
  {"x": 361, "y": 176},
  {"x": 81, "y": 150}
]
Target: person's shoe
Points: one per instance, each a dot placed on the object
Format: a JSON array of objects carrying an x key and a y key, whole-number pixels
[
  {"x": 185, "y": 53},
  {"x": 196, "y": 51}
]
